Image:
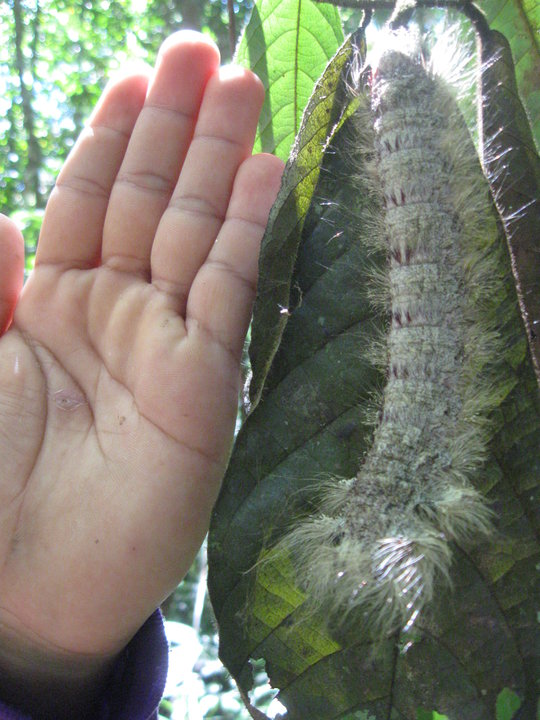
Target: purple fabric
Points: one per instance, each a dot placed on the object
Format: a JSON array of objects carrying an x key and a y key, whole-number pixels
[
  {"x": 7, "y": 713},
  {"x": 137, "y": 681}
]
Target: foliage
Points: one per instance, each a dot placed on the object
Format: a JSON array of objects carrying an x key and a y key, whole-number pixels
[
  {"x": 430, "y": 715},
  {"x": 324, "y": 112},
  {"x": 287, "y": 43},
  {"x": 158, "y": 18},
  {"x": 508, "y": 703},
  {"x": 313, "y": 386},
  {"x": 55, "y": 58},
  {"x": 519, "y": 21},
  {"x": 512, "y": 165}
]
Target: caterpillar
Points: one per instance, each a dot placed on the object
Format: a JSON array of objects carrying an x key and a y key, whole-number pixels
[{"x": 382, "y": 540}]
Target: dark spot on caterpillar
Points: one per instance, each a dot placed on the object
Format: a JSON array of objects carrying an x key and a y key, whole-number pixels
[
  {"x": 400, "y": 372},
  {"x": 337, "y": 539},
  {"x": 408, "y": 316},
  {"x": 397, "y": 143},
  {"x": 397, "y": 319},
  {"x": 402, "y": 197},
  {"x": 396, "y": 254}
]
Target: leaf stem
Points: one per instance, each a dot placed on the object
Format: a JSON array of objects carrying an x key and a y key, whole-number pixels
[{"x": 296, "y": 68}]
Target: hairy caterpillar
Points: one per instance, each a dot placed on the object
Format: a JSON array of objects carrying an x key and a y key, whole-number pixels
[{"x": 383, "y": 539}]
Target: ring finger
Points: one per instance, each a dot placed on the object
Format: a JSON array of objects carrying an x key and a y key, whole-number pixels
[{"x": 223, "y": 139}]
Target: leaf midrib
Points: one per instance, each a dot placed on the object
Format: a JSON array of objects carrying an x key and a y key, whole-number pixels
[{"x": 296, "y": 69}]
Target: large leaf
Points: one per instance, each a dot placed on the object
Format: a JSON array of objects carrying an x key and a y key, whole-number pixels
[
  {"x": 332, "y": 237},
  {"x": 519, "y": 21},
  {"x": 513, "y": 170},
  {"x": 275, "y": 296},
  {"x": 288, "y": 44},
  {"x": 310, "y": 424}
]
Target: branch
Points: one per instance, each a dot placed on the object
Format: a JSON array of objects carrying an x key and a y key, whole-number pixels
[
  {"x": 465, "y": 6},
  {"x": 475, "y": 15}
]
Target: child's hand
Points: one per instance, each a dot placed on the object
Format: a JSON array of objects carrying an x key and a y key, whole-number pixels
[{"x": 119, "y": 376}]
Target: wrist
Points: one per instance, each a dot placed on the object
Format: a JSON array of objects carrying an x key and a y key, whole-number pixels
[{"x": 46, "y": 682}]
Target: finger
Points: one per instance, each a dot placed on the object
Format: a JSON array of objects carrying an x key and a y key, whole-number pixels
[
  {"x": 221, "y": 297},
  {"x": 223, "y": 139},
  {"x": 72, "y": 228},
  {"x": 11, "y": 269},
  {"x": 157, "y": 149}
]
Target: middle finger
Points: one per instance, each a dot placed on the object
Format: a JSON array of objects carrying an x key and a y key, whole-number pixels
[{"x": 156, "y": 151}]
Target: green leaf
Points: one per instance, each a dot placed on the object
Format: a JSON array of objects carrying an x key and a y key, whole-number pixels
[
  {"x": 519, "y": 21},
  {"x": 508, "y": 703},
  {"x": 311, "y": 423},
  {"x": 430, "y": 715},
  {"x": 513, "y": 170},
  {"x": 234, "y": 523},
  {"x": 275, "y": 296},
  {"x": 288, "y": 44}
]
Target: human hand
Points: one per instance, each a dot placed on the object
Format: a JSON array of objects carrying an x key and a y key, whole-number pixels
[{"x": 119, "y": 374}]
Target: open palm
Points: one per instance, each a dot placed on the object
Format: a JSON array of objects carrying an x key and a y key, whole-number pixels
[{"x": 119, "y": 374}]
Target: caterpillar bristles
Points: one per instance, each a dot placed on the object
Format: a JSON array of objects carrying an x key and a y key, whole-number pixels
[{"x": 382, "y": 542}]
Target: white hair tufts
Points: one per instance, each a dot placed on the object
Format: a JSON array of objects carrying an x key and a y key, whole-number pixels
[{"x": 382, "y": 541}]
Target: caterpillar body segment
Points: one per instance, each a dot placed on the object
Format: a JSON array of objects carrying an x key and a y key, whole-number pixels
[{"x": 383, "y": 539}]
